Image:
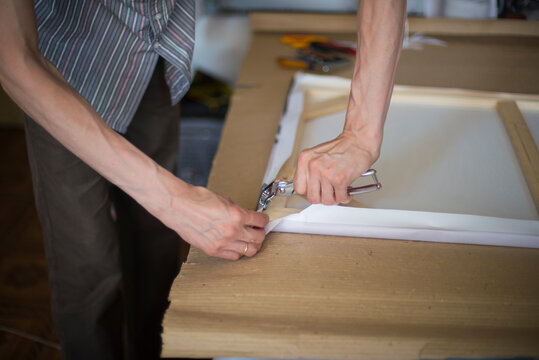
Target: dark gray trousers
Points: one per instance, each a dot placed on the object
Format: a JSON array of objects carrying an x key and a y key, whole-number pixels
[{"x": 109, "y": 277}]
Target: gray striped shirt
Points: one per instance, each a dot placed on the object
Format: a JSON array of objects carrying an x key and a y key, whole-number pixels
[{"x": 107, "y": 49}]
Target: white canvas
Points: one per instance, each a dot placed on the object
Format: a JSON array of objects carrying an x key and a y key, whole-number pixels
[{"x": 440, "y": 155}]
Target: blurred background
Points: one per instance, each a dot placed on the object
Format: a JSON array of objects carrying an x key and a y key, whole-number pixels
[{"x": 222, "y": 39}]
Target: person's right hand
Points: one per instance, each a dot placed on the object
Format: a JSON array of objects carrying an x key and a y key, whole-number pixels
[{"x": 214, "y": 224}]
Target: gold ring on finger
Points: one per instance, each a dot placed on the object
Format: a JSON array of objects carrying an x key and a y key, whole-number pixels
[{"x": 245, "y": 249}]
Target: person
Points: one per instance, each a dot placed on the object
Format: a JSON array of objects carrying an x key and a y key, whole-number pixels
[{"x": 97, "y": 81}]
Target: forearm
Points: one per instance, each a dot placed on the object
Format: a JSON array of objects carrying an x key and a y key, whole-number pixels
[
  {"x": 41, "y": 91},
  {"x": 380, "y": 33},
  {"x": 203, "y": 218},
  {"x": 45, "y": 96}
]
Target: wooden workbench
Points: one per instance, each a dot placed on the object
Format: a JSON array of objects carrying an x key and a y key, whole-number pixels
[{"x": 337, "y": 297}]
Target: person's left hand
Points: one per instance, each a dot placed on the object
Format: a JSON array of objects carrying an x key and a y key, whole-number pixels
[{"x": 324, "y": 172}]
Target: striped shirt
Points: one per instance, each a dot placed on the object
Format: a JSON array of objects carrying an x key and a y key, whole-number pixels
[{"x": 108, "y": 49}]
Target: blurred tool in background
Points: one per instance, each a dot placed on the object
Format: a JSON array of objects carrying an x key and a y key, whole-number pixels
[{"x": 316, "y": 53}]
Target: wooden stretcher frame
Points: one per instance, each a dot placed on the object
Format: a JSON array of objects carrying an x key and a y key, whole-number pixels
[
  {"x": 335, "y": 100},
  {"x": 347, "y": 23}
]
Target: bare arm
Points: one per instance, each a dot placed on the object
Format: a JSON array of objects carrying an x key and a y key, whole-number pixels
[
  {"x": 205, "y": 219},
  {"x": 325, "y": 171}
]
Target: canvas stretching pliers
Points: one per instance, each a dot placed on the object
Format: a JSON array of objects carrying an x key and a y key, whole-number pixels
[{"x": 286, "y": 188}]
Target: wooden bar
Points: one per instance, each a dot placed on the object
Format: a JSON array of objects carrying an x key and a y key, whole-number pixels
[
  {"x": 325, "y": 107},
  {"x": 523, "y": 144},
  {"x": 347, "y": 23},
  {"x": 473, "y": 27}
]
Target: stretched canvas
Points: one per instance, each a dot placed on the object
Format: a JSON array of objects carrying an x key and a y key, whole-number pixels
[{"x": 448, "y": 168}]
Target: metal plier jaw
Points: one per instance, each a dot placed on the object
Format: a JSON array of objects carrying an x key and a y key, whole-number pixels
[
  {"x": 276, "y": 188},
  {"x": 286, "y": 188}
]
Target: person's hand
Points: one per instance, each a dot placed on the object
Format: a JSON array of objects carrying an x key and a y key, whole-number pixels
[
  {"x": 214, "y": 224},
  {"x": 324, "y": 172}
]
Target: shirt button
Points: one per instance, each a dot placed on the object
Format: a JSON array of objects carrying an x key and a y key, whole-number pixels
[
  {"x": 157, "y": 16},
  {"x": 156, "y": 45}
]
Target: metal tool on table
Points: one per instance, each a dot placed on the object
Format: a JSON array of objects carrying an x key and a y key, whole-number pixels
[
  {"x": 311, "y": 64},
  {"x": 314, "y": 53},
  {"x": 300, "y": 41},
  {"x": 286, "y": 188}
]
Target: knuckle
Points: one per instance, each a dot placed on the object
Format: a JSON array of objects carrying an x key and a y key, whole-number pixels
[
  {"x": 211, "y": 251},
  {"x": 303, "y": 157},
  {"x": 299, "y": 187},
  {"x": 236, "y": 214},
  {"x": 221, "y": 244},
  {"x": 228, "y": 231},
  {"x": 313, "y": 166},
  {"x": 339, "y": 179},
  {"x": 327, "y": 172}
]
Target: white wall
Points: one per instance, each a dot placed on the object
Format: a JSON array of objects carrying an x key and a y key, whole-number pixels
[{"x": 221, "y": 42}]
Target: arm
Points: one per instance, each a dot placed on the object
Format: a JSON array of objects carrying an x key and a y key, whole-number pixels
[
  {"x": 204, "y": 219},
  {"x": 325, "y": 171}
]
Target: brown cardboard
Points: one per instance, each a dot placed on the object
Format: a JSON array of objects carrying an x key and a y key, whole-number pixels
[
  {"x": 331, "y": 297},
  {"x": 499, "y": 64},
  {"x": 336, "y": 297},
  {"x": 347, "y": 23}
]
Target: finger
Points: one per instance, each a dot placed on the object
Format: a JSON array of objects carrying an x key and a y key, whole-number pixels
[
  {"x": 229, "y": 255},
  {"x": 341, "y": 194},
  {"x": 245, "y": 248},
  {"x": 313, "y": 185},
  {"x": 238, "y": 246},
  {"x": 327, "y": 192},
  {"x": 345, "y": 201},
  {"x": 256, "y": 219},
  {"x": 252, "y": 249},
  {"x": 254, "y": 235},
  {"x": 301, "y": 177},
  {"x": 313, "y": 192}
]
